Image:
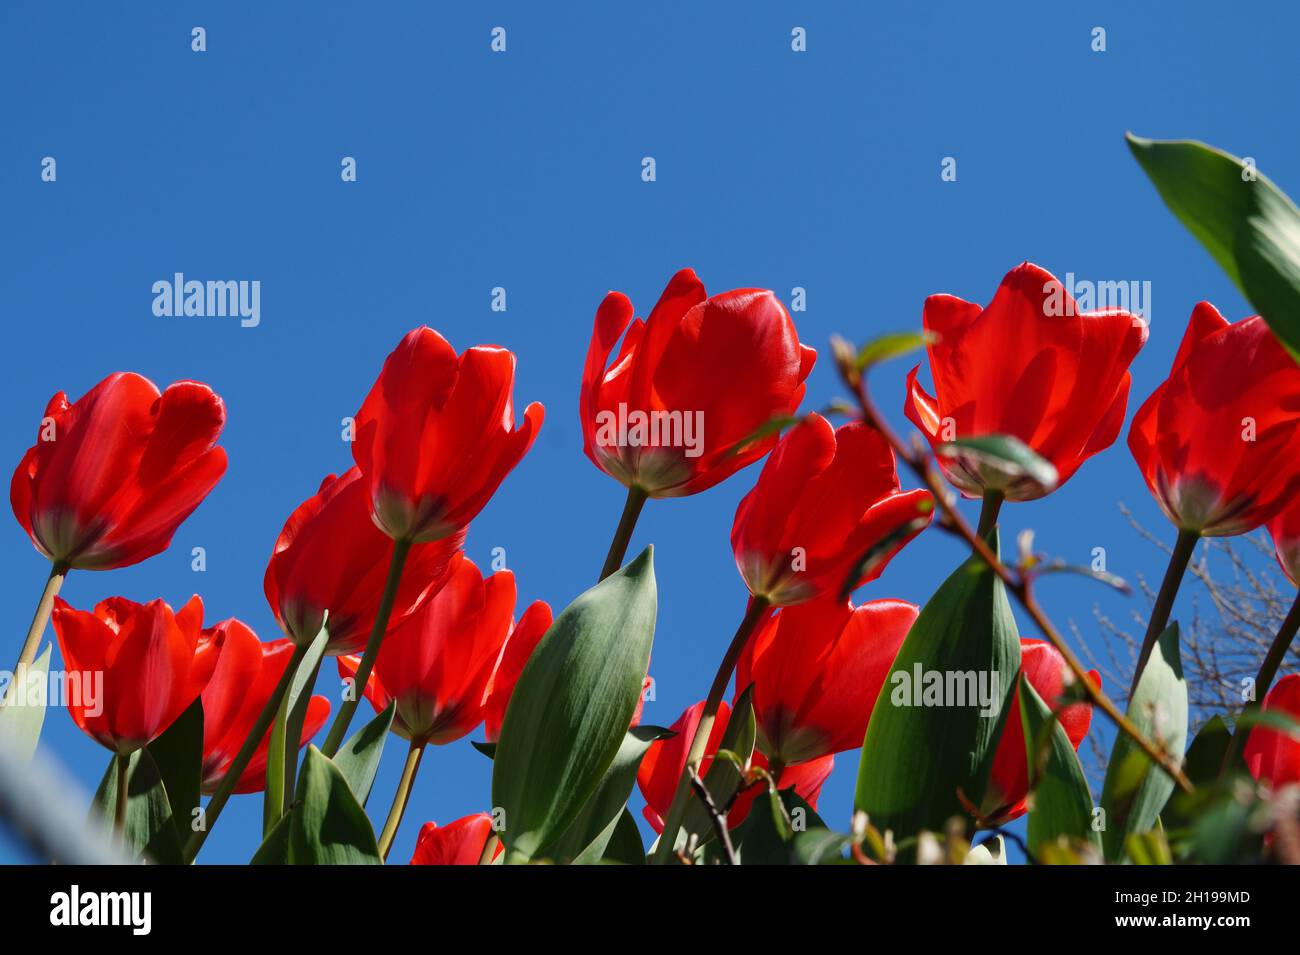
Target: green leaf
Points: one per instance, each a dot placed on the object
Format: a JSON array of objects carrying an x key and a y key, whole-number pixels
[
  {"x": 625, "y": 846},
  {"x": 723, "y": 777},
  {"x": 1060, "y": 804},
  {"x": 487, "y": 749},
  {"x": 892, "y": 345},
  {"x": 1248, "y": 224},
  {"x": 768, "y": 834},
  {"x": 21, "y": 719},
  {"x": 282, "y": 748},
  {"x": 917, "y": 759},
  {"x": 358, "y": 758},
  {"x": 820, "y": 847},
  {"x": 327, "y": 824},
  {"x": 148, "y": 825},
  {"x": 1002, "y": 461},
  {"x": 1149, "y": 848},
  {"x": 584, "y": 842},
  {"x": 1135, "y": 788},
  {"x": 570, "y": 710},
  {"x": 274, "y": 849},
  {"x": 178, "y": 756}
]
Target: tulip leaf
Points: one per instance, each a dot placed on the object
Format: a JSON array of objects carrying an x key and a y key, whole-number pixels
[
  {"x": 820, "y": 847},
  {"x": 1060, "y": 804},
  {"x": 570, "y": 710},
  {"x": 930, "y": 742},
  {"x": 487, "y": 749},
  {"x": 1003, "y": 460},
  {"x": 723, "y": 777},
  {"x": 22, "y": 715},
  {"x": 148, "y": 824},
  {"x": 286, "y": 732},
  {"x": 625, "y": 846},
  {"x": 767, "y": 837},
  {"x": 1248, "y": 224},
  {"x": 328, "y": 825},
  {"x": 358, "y": 758},
  {"x": 1135, "y": 788},
  {"x": 892, "y": 345},
  {"x": 178, "y": 755},
  {"x": 274, "y": 849},
  {"x": 584, "y": 842}
]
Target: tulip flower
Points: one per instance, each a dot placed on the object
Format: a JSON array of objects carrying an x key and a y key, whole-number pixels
[
  {"x": 154, "y": 664},
  {"x": 330, "y": 560},
  {"x": 1030, "y": 365},
  {"x": 816, "y": 670},
  {"x": 1045, "y": 669},
  {"x": 523, "y": 640},
  {"x": 665, "y": 760},
  {"x": 1284, "y": 528},
  {"x": 691, "y": 383},
  {"x": 1271, "y": 756},
  {"x": 245, "y": 677},
  {"x": 824, "y": 498},
  {"x": 436, "y": 435},
  {"x": 459, "y": 843},
  {"x": 1219, "y": 441},
  {"x": 112, "y": 476},
  {"x": 437, "y": 665}
]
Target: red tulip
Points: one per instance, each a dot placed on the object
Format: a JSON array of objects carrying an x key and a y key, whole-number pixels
[
  {"x": 1271, "y": 756},
  {"x": 662, "y": 766},
  {"x": 1046, "y": 671},
  {"x": 436, "y": 435},
  {"x": 823, "y": 499},
  {"x": 693, "y": 380},
  {"x": 153, "y": 664},
  {"x": 112, "y": 476},
  {"x": 331, "y": 559},
  {"x": 437, "y": 665},
  {"x": 816, "y": 671},
  {"x": 1030, "y": 365},
  {"x": 458, "y": 843},
  {"x": 1219, "y": 441},
  {"x": 1284, "y": 528},
  {"x": 523, "y": 640},
  {"x": 246, "y": 675}
]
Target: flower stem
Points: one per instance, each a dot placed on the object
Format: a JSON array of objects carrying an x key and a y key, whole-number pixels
[
  {"x": 989, "y": 512},
  {"x": 1267, "y": 671},
  {"x": 58, "y": 573},
  {"x": 241, "y": 760},
  {"x": 273, "y": 794},
  {"x": 400, "y": 798},
  {"x": 339, "y": 728},
  {"x": 123, "y": 795},
  {"x": 636, "y": 499},
  {"x": 1178, "y": 560},
  {"x": 754, "y": 615}
]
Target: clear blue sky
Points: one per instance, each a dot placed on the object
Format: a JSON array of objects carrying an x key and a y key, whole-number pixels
[{"x": 775, "y": 169}]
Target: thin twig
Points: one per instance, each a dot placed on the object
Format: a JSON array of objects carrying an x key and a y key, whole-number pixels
[{"x": 716, "y": 816}]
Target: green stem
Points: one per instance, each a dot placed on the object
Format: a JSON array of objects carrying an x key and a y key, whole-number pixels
[
  {"x": 754, "y": 614},
  {"x": 241, "y": 760},
  {"x": 400, "y": 798},
  {"x": 989, "y": 512},
  {"x": 58, "y": 573},
  {"x": 293, "y": 735},
  {"x": 339, "y": 729},
  {"x": 1178, "y": 560},
  {"x": 1267, "y": 671},
  {"x": 636, "y": 499},
  {"x": 273, "y": 793},
  {"x": 123, "y": 795}
]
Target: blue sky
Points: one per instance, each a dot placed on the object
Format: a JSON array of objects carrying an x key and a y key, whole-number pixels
[{"x": 522, "y": 170}]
